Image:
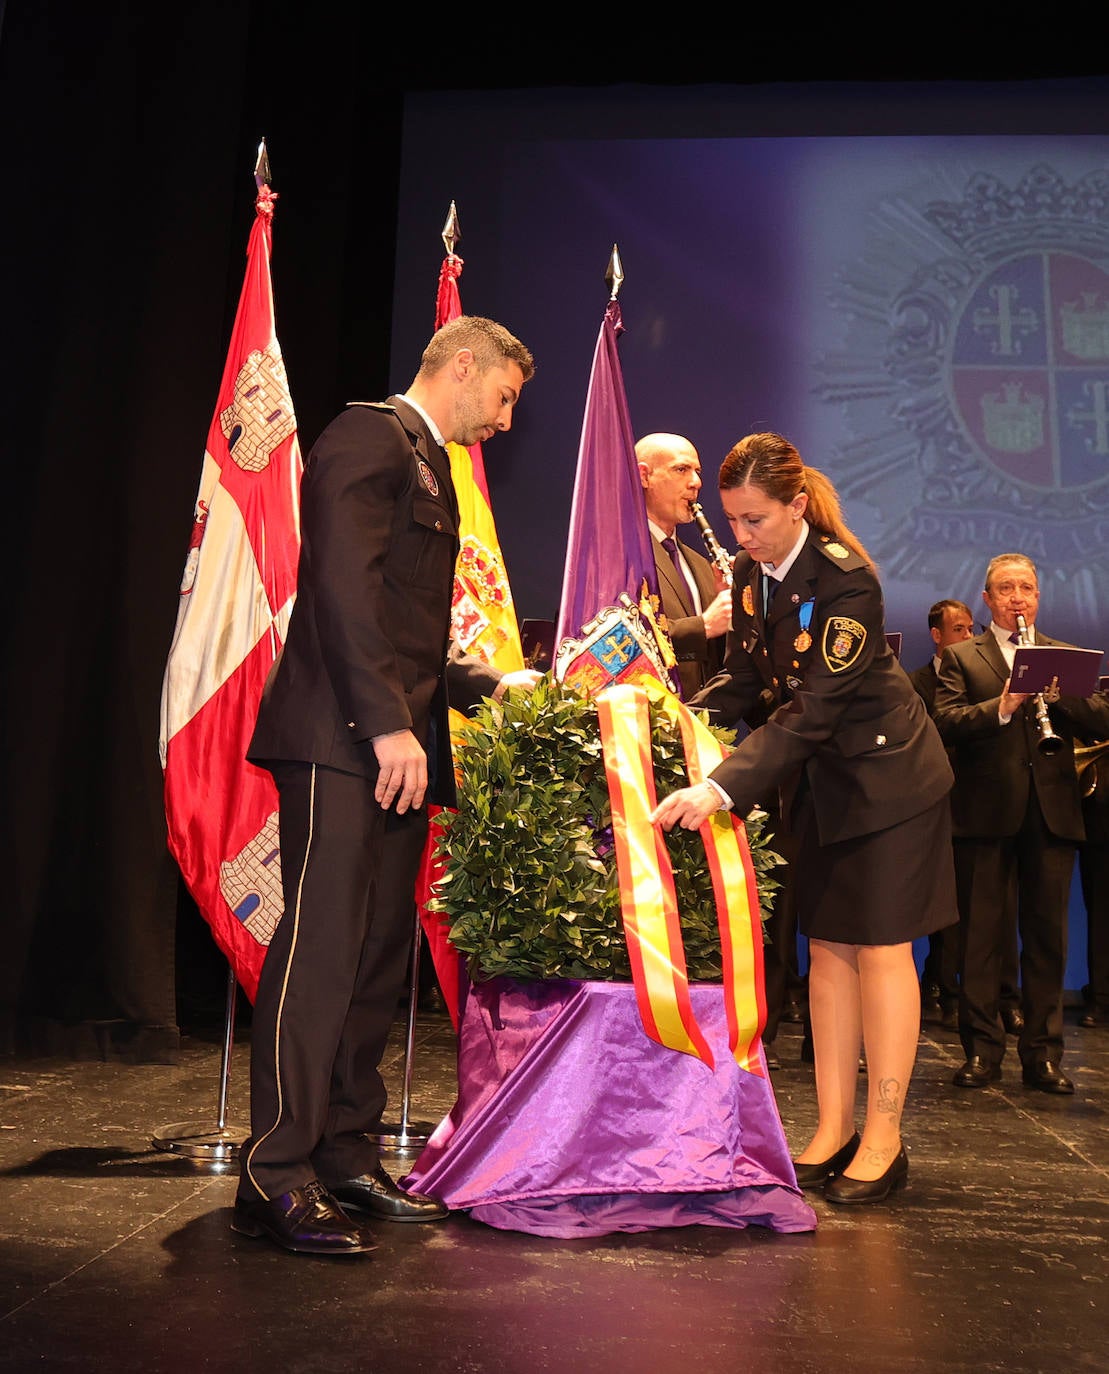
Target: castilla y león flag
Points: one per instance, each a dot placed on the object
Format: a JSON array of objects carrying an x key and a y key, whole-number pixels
[{"x": 236, "y": 597}]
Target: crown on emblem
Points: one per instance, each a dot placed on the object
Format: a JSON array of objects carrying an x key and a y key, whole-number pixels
[{"x": 993, "y": 213}]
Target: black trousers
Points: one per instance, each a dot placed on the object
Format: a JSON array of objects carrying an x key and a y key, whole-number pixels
[
  {"x": 1043, "y": 865},
  {"x": 329, "y": 986}
]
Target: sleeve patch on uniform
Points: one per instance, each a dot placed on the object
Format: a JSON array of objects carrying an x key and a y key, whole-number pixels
[{"x": 843, "y": 642}]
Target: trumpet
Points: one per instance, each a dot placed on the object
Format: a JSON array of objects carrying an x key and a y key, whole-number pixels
[
  {"x": 1049, "y": 742},
  {"x": 716, "y": 551},
  {"x": 1085, "y": 765}
]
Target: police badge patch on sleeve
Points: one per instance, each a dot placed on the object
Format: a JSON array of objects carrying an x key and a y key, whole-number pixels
[{"x": 842, "y": 643}]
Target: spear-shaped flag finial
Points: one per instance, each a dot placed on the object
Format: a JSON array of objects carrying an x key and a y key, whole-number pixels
[
  {"x": 262, "y": 166},
  {"x": 614, "y": 276},
  {"x": 451, "y": 230}
]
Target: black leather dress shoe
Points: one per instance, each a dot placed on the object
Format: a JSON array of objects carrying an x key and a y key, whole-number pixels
[
  {"x": 1047, "y": 1077},
  {"x": 845, "y": 1189},
  {"x": 816, "y": 1175},
  {"x": 1093, "y": 1016},
  {"x": 377, "y": 1194},
  {"x": 306, "y": 1220},
  {"x": 976, "y": 1073},
  {"x": 1012, "y": 1018}
]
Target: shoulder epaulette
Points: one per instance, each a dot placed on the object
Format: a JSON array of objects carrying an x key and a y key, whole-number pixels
[
  {"x": 375, "y": 405},
  {"x": 838, "y": 553}
]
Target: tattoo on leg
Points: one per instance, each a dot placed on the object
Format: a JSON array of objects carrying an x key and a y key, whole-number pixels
[{"x": 889, "y": 1097}]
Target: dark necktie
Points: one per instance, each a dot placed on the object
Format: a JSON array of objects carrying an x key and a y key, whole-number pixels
[
  {"x": 672, "y": 549},
  {"x": 769, "y": 587},
  {"x": 1014, "y": 638}
]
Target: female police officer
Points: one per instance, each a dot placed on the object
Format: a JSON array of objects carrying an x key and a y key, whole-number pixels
[{"x": 864, "y": 782}]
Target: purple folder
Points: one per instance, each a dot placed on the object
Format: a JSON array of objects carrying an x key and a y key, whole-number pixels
[{"x": 1035, "y": 666}]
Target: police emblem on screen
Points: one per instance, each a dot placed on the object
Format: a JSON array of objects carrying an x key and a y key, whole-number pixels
[{"x": 991, "y": 425}]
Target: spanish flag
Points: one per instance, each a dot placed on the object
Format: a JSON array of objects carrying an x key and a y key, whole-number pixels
[{"x": 483, "y": 617}]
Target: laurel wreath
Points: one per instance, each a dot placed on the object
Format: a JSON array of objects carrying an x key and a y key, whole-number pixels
[{"x": 530, "y": 889}]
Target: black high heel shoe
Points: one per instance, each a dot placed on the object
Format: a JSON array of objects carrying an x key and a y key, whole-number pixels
[
  {"x": 842, "y": 1188},
  {"x": 816, "y": 1175}
]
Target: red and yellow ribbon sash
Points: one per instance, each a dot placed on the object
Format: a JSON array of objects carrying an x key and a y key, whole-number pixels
[{"x": 647, "y": 897}]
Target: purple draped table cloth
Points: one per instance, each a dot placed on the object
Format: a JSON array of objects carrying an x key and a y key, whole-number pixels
[{"x": 571, "y": 1122}]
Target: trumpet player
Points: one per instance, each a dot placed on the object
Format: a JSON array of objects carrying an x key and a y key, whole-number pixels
[
  {"x": 1016, "y": 813},
  {"x": 698, "y": 609}
]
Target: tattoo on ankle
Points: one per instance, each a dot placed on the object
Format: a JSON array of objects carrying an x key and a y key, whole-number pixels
[{"x": 889, "y": 1097}]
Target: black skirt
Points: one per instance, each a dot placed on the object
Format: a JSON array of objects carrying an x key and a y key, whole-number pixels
[{"x": 881, "y": 889}]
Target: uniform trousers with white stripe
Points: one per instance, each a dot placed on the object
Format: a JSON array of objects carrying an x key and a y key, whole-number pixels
[{"x": 331, "y": 980}]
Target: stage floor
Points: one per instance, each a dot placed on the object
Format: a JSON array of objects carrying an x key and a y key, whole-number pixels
[{"x": 118, "y": 1257}]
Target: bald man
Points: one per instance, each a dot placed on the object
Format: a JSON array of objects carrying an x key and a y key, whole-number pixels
[{"x": 698, "y": 611}]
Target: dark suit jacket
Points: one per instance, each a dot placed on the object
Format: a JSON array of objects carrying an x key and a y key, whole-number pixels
[
  {"x": 368, "y": 636},
  {"x": 699, "y": 658},
  {"x": 848, "y": 715},
  {"x": 995, "y": 764},
  {"x": 924, "y": 679}
]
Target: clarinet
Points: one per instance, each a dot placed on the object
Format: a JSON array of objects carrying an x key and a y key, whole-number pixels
[
  {"x": 1048, "y": 742},
  {"x": 716, "y": 552}
]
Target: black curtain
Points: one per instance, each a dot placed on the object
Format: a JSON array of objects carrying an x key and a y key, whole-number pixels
[{"x": 127, "y": 163}]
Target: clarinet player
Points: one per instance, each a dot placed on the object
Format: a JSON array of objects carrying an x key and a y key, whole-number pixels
[
  {"x": 698, "y": 610},
  {"x": 1015, "y": 811}
]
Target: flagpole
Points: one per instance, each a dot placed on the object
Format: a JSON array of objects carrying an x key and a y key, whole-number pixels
[
  {"x": 407, "y": 1135},
  {"x": 197, "y": 1140}
]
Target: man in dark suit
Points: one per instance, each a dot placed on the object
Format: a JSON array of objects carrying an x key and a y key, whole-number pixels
[
  {"x": 353, "y": 726},
  {"x": 1015, "y": 810},
  {"x": 697, "y": 607}
]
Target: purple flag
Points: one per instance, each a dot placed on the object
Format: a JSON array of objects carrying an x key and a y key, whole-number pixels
[{"x": 609, "y": 552}]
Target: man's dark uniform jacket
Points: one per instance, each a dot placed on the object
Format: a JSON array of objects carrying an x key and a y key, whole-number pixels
[
  {"x": 848, "y": 717},
  {"x": 699, "y": 658},
  {"x": 368, "y": 638}
]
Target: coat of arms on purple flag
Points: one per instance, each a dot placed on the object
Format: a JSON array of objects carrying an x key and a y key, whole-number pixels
[{"x": 610, "y": 627}]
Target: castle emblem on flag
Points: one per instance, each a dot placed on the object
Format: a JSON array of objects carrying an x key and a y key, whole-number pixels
[
  {"x": 260, "y": 418},
  {"x": 251, "y": 883}
]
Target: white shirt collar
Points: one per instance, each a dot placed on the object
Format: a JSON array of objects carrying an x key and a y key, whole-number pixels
[
  {"x": 1002, "y": 636},
  {"x": 784, "y": 566},
  {"x": 436, "y": 433}
]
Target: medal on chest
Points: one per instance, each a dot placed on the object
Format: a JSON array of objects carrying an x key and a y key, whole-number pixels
[
  {"x": 748, "y": 601},
  {"x": 804, "y": 614}
]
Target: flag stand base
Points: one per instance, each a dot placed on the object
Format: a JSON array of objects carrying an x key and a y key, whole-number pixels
[
  {"x": 406, "y": 1137},
  {"x": 217, "y": 1144},
  {"x": 200, "y": 1142}
]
